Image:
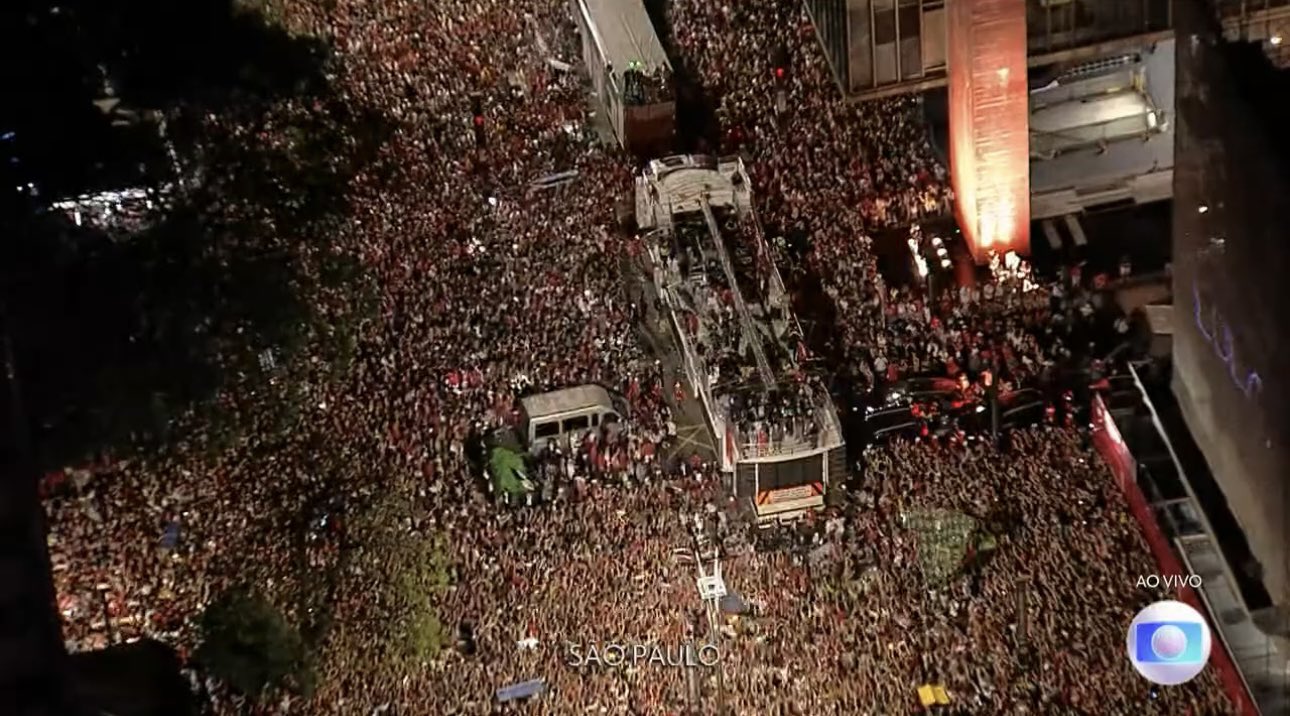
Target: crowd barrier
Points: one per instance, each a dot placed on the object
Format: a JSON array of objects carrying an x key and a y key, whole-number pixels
[{"x": 1110, "y": 445}]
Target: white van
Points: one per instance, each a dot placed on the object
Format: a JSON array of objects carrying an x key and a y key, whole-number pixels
[{"x": 567, "y": 414}]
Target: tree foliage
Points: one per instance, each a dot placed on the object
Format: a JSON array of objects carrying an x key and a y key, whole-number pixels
[
  {"x": 943, "y": 538},
  {"x": 412, "y": 572},
  {"x": 124, "y": 339},
  {"x": 249, "y": 644}
]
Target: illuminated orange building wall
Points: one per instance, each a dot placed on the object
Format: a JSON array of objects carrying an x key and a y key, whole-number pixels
[{"x": 989, "y": 124}]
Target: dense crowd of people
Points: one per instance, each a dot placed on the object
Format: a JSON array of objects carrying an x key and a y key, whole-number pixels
[
  {"x": 832, "y": 175},
  {"x": 786, "y": 416},
  {"x": 487, "y": 291},
  {"x": 849, "y": 622}
]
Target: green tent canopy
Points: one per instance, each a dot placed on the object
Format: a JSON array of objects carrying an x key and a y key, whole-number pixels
[{"x": 507, "y": 470}]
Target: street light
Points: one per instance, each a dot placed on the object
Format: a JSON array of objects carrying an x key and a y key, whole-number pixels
[
  {"x": 712, "y": 587},
  {"x": 102, "y": 588}
]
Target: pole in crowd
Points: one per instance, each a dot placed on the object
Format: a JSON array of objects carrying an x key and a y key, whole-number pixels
[
  {"x": 992, "y": 396},
  {"x": 477, "y": 119},
  {"x": 712, "y": 587}
]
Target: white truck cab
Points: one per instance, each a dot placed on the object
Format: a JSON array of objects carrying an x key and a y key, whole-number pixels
[{"x": 567, "y": 414}]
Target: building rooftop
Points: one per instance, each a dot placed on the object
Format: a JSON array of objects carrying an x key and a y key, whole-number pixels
[
  {"x": 626, "y": 35},
  {"x": 561, "y": 401}
]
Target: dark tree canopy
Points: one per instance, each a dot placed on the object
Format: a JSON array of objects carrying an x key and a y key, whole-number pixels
[
  {"x": 119, "y": 337},
  {"x": 248, "y": 643}
]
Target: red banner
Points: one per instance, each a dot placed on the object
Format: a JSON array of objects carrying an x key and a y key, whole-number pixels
[{"x": 1110, "y": 444}]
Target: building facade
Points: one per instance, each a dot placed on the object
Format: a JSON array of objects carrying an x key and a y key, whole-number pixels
[
  {"x": 989, "y": 125},
  {"x": 883, "y": 47},
  {"x": 33, "y": 663},
  {"x": 1230, "y": 263}
]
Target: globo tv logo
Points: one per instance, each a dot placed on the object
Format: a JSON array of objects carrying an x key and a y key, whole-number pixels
[{"x": 1169, "y": 643}]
